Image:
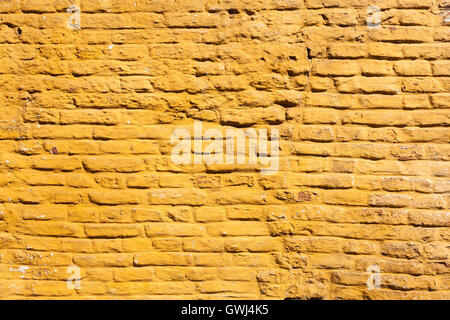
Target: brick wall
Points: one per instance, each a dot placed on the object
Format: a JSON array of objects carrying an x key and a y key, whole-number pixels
[{"x": 91, "y": 92}]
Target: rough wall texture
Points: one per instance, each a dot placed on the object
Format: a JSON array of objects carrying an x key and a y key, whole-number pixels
[{"x": 91, "y": 92}]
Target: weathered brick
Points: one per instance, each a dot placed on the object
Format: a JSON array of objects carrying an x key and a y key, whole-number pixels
[
  {"x": 238, "y": 228},
  {"x": 104, "y": 260},
  {"x": 113, "y": 231},
  {"x": 407, "y": 34},
  {"x": 113, "y": 164},
  {"x": 60, "y": 163},
  {"x": 386, "y": 85},
  {"x": 378, "y": 118},
  {"x": 210, "y": 214},
  {"x": 174, "y": 229},
  {"x": 133, "y": 274},
  {"x": 177, "y": 196},
  {"x": 401, "y": 250},
  {"x": 348, "y": 50},
  {"x": 162, "y": 259},
  {"x": 422, "y": 85},
  {"x": 61, "y": 229},
  {"x": 336, "y": 68},
  {"x": 413, "y": 68},
  {"x": 390, "y": 200},
  {"x": 116, "y": 197}
]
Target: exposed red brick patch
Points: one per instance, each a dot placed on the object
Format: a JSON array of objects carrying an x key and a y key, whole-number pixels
[{"x": 304, "y": 196}]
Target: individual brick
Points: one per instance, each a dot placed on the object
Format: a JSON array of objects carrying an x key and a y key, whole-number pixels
[
  {"x": 385, "y": 85},
  {"x": 127, "y": 165},
  {"x": 180, "y": 230},
  {"x": 177, "y": 196},
  {"x": 115, "y": 197},
  {"x": 413, "y": 68},
  {"x": 112, "y": 231},
  {"x": 336, "y": 68}
]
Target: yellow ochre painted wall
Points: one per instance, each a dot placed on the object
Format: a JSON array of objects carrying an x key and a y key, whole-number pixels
[{"x": 92, "y": 91}]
